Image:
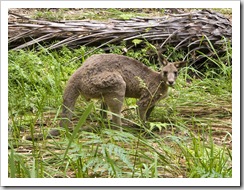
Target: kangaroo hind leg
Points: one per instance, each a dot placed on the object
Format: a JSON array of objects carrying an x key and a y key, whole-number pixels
[{"x": 115, "y": 100}]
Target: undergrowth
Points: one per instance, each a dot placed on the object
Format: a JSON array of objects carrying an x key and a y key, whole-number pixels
[
  {"x": 177, "y": 141},
  {"x": 102, "y": 14}
]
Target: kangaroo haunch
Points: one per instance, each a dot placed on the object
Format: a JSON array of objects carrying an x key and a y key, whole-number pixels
[{"x": 112, "y": 77}]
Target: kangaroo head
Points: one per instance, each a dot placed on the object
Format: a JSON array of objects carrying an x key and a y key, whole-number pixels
[{"x": 169, "y": 71}]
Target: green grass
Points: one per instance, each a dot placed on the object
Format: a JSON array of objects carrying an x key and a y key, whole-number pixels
[
  {"x": 188, "y": 134},
  {"x": 102, "y": 14}
]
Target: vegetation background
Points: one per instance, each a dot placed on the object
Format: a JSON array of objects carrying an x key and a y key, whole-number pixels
[{"x": 188, "y": 135}]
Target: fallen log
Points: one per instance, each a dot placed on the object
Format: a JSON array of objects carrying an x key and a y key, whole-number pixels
[{"x": 190, "y": 32}]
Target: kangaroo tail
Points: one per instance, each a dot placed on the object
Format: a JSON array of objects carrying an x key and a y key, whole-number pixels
[{"x": 70, "y": 96}]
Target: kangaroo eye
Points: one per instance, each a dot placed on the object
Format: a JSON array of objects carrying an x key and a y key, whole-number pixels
[
  {"x": 175, "y": 73},
  {"x": 165, "y": 73}
]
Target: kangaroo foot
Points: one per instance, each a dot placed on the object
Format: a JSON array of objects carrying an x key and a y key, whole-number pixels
[
  {"x": 36, "y": 137},
  {"x": 53, "y": 133}
]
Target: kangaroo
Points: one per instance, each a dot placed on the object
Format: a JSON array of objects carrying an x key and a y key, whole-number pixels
[{"x": 113, "y": 77}]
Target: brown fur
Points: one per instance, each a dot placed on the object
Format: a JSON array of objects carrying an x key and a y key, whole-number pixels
[{"x": 112, "y": 77}]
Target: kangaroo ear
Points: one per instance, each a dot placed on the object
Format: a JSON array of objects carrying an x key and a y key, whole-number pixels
[
  {"x": 161, "y": 58},
  {"x": 180, "y": 64}
]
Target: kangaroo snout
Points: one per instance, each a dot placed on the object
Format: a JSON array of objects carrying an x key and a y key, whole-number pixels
[
  {"x": 171, "y": 78},
  {"x": 170, "y": 83}
]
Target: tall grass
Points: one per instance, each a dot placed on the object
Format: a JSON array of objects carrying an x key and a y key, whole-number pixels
[{"x": 177, "y": 141}]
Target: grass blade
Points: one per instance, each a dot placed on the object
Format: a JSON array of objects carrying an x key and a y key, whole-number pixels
[{"x": 79, "y": 124}]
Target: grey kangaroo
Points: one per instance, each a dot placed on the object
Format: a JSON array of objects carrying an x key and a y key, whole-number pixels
[{"x": 112, "y": 77}]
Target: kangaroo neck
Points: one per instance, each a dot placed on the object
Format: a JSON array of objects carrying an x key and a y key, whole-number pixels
[{"x": 155, "y": 81}]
